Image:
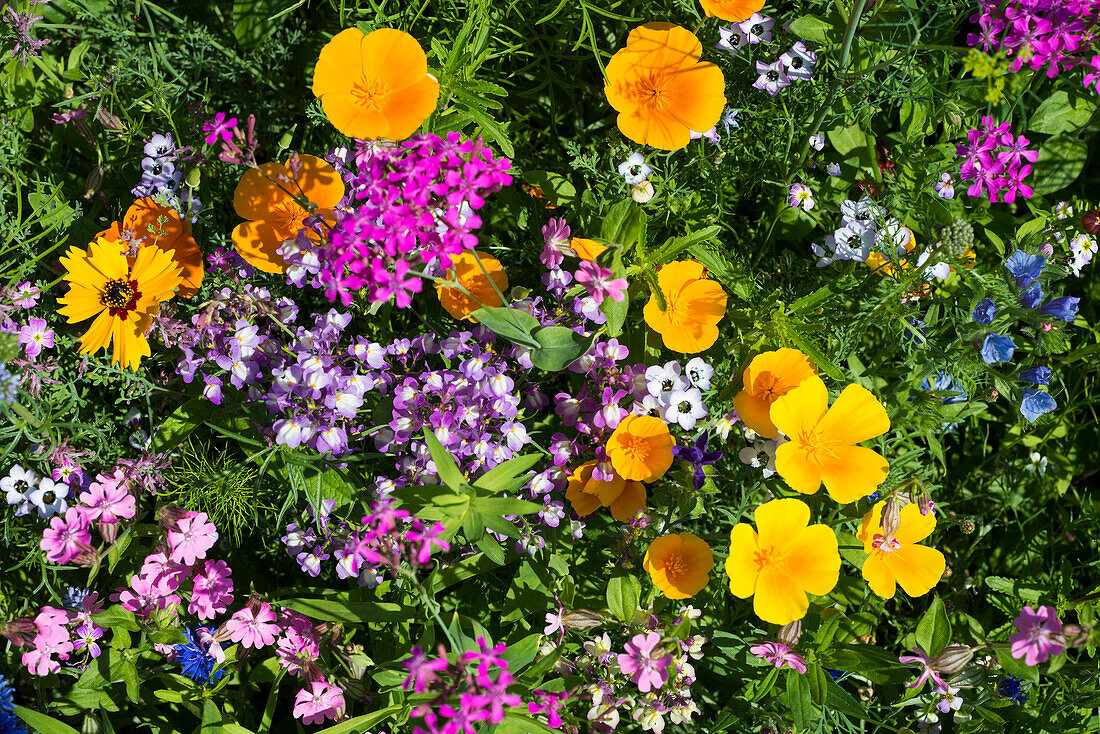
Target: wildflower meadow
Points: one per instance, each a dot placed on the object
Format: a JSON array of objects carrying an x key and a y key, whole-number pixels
[{"x": 529, "y": 366}]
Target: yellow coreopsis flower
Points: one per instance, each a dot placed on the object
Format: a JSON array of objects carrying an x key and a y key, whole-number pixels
[
  {"x": 894, "y": 560},
  {"x": 782, "y": 560},
  {"x": 122, "y": 295},
  {"x": 822, "y": 440}
]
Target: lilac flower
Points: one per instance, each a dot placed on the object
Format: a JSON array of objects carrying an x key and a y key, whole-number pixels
[
  {"x": 945, "y": 188},
  {"x": 1036, "y": 403},
  {"x": 800, "y": 196},
  {"x": 1038, "y": 635},
  {"x": 773, "y": 77},
  {"x": 697, "y": 455},
  {"x": 997, "y": 348},
  {"x": 1025, "y": 268},
  {"x": 20, "y": 23},
  {"x": 1038, "y": 375},
  {"x": 87, "y": 637},
  {"x": 729, "y": 119},
  {"x": 731, "y": 39},
  {"x": 985, "y": 311},
  {"x": 219, "y": 128}
]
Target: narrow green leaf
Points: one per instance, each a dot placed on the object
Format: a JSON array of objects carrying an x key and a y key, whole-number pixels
[
  {"x": 445, "y": 465},
  {"x": 42, "y": 723},
  {"x": 332, "y": 610},
  {"x": 799, "y": 701},
  {"x": 504, "y": 477}
]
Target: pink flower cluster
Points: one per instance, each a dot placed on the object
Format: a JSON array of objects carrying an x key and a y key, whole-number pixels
[
  {"x": 106, "y": 501},
  {"x": 416, "y": 205},
  {"x": 997, "y": 162},
  {"x": 1051, "y": 33},
  {"x": 53, "y": 642}
]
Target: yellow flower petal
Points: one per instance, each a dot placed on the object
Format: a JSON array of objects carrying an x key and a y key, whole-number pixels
[
  {"x": 879, "y": 575},
  {"x": 778, "y": 598},
  {"x": 796, "y": 468},
  {"x": 917, "y": 568},
  {"x": 852, "y": 472},
  {"x": 813, "y": 559},
  {"x": 856, "y": 416},
  {"x": 740, "y": 565}
]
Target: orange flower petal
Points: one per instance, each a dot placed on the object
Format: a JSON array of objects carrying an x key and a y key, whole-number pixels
[
  {"x": 258, "y": 243},
  {"x": 584, "y": 504},
  {"x": 852, "y": 472},
  {"x": 256, "y": 196},
  {"x": 339, "y": 64},
  {"x": 407, "y": 109},
  {"x": 732, "y": 10},
  {"x": 319, "y": 181},
  {"x": 855, "y": 416},
  {"x": 698, "y": 96},
  {"x": 740, "y": 565},
  {"x": 393, "y": 56},
  {"x": 796, "y": 468},
  {"x": 629, "y": 501},
  {"x": 755, "y": 413}
]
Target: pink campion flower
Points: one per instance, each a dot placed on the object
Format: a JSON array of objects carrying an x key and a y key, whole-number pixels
[
  {"x": 601, "y": 282},
  {"x": 780, "y": 656},
  {"x": 191, "y": 538},
  {"x": 26, "y": 295},
  {"x": 108, "y": 499},
  {"x": 426, "y": 539},
  {"x": 211, "y": 593},
  {"x": 1039, "y": 635},
  {"x": 319, "y": 702},
  {"x": 801, "y": 196},
  {"x": 395, "y": 284},
  {"x": 66, "y": 538},
  {"x": 550, "y": 703},
  {"x": 297, "y": 653},
  {"x": 145, "y": 595},
  {"x": 253, "y": 629},
  {"x": 1014, "y": 184},
  {"x": 164, "y": 573},
  {"x": 1092, "y": 78},
  {"x": 556, "y": 243},
  {"x": 640, "y": 663},
  {"x": 219, "y": 127},
  {"x": 486, "y": 658},
  {"x": 35, "y": 337},
  {"x": 422, "y": 671},
  {"x": 927, "y": 671}
]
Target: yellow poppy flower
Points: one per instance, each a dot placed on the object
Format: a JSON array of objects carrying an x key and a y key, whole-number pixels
[
  {"x": 693, "y": 307},
  {"x": 375, "y": 85},
  {"x": 660, "y": 87},
  {"x": 123, "y": 296},
  {"x": 735, "y": 10},
  {"x": 769, "y": 376},
  {"x": 679, "y": 564},
  {"x": 150, "y": 223},
  {"x": 640, "y": 449},
  {"x": 782, "y": 561},
  {"x": 587, "y": 494},
  {"x": 897, "y": 559},
  {"x": 822, "y": 440},
  {"x": 586, "y": 249},
  {"x": 472, "y": 277}
]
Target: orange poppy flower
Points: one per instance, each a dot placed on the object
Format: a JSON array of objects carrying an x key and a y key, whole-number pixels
[
  {"x": 661, "y": 89},
  {"x": 641, "y": 448},
  {"x": 586, "y": 494},
  {"x": 679, "y": 564},
  {"x": 375, "y": 86},
  {"x": 822, "y": 440},
  {"x": 470, "y": 275},
  {"x": 149, "y": 223},
  {"x": 769, "y": 376},
  {"x": 274, "y": 216},
  {"x": 586, "y": 249},
  {"x": 782, "y": 560},
  {"x": 897, "y": 559},
  {"x": 693, "y": 307},
  {"x": 735, "y": 10}
]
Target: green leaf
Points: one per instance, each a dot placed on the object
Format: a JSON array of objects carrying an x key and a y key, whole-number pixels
[
  {"x": 510, "y": 475},
  {"x": 513, "y": 324},
  {"x": 559, "y": 347},
  {"x": 557, "y": 189},
  {"x": 364, "y": 722},
  {"x": 445, "y": 465},
  {"x": 847, "y": 139},
  {"x": 1061, "y": 160},
  {"x": 624, "y": 224},
  {"x": 819, "y": 683},
  {"x": 332, "y": 610},
  {"x": 799, "y": 701},
  {"x": 623, "y": 596},
  {"x": 491, "y": 547},
  {"x": 1017, "y": 667},
  {"x": 117, "y": 616},
  {"x": 840, "y": 700},
  {"x": 505, "y": 506},
  {"x": 934, "y": 628},
  {"x": 914, "y": 119},
  {"x": 1060, "y": 114},
  {"x": 252, "y": 22},
  {"x": 520, "y": 724},
  {"x": 466, "y": 568},
  {"x": 1015, "y": 588},
  {"x": 812, "y": 28},
  {"x": 42, "y": 723},
  {"x": 182, "y": 422}
]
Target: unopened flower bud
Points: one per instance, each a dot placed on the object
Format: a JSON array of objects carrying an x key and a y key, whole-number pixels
[
  {"x": 90, "y": 725},
  {"x": 642, "y": 192},
  {"x": 519, "y": 293},
  {"x": 194, "y": 177},
  {"x": 108, "y": 120},
  {"x": 953, "y": 659},
  {"x": 86, "y": 555},
  {"x": 287, "y": 138},
  {"x": 108, "y": 531},
  {"x": 1090, "y": 221},
  {"x": 20, "y": 632},
  {"x": 891, "y": 516},
  {"x": 169, "y": 516},
  {"x": 93, "y": 183},
  {"x": 581, "y": 619},
  {"x": 791, "y": 634},
  {"x": 968, "y": 526}
]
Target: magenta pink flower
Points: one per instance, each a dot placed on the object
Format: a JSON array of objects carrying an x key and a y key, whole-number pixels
[
  {"x": 426, "y": 539},
  {"x": 146, "y": 594},
  {"x": 219, "y": 127},
  {"x": 555, "y": 236},
  {"x": 35, "y": 337},
  {"x": 191, "y": 539},
  {"x": 641, "y": 664},
  {"x": 1039, "y": 636},
  {"x": 422, "y": 671},
  {"x": 64, "y": 539},
  {"x": 319, "y": 702},
  {"x": 601, "y": 282},
  {"x": 253, "y": 628},
  {"x": 780, "y": 656},
  {"x": 297, "y": 652},
  {"x": 212, "y": 593},
  {"x": 927, "y": 671},
  {"x": 108, "y": 500}
]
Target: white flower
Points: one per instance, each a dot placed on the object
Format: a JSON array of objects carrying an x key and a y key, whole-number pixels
[
  {"x": 833, "y": 169},
  {"x": 662, "y": 381},
  {"x": 939, "y": 270},
  {"x": 634, "y": 169},
  {"x": 732, "y": 39},
  {"x": 761, "y": 455},
  {"x": 725, "y": 424},
  {"x": 598, "y": 647},
  {"x": 693, "y": 646},
  {"x": 864, "y": 211},
  {"x": 683, "y": 711},
  {"x": 951, "y": 700},
  {"x": 800, "y": 63},
  {"x": 49, "y": 497},
  {"x": 649, "y": 405},
  {"x": 649, "y": 719},
  {"x": 686, "y": 408},
  {"x": 642, "y": 192},
  {"x": 757, "y": 28},
  {"x": 699, "y": 372},
  {"x": 817, "y": 140},
  {"x": 1063, "y": 210},
  {"x": 17, "y": 486},
  {"x": 852, "y": 242},
  {"x": 945, "y": 187},
  {"x": 689, "y": 612},
  {"x": 1037, "y": 463}
]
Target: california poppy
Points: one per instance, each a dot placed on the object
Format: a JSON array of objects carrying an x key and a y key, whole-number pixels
[
  {"x": 769, "y": 376},
  {"x": 587, "y": 494},
  {"x": 472, "y": 277},
  {"x": 735, "y": 10},
  {"x": 822, "y": 440},
  {"x": 679, "y": 564},
  {"x": 265, "y": 197},
  {"x": 586, "y": 249},
  {"x": 123, "y": 296},
  {"x": 376, "y": 85},
  {"x": 149, "y": 223},
  {"x": 693, "y": 307},
  {"x": 782, "y": 561},
  {"x": 660, "y": 87},
  {"x": 641, "y": 448},
  {"x": 896, "y": 559}
]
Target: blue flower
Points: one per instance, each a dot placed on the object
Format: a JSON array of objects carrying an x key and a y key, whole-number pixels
[
  {"x": 1036, "y": 375},
  {"x": 1035, "y": 403},
  {"x": 729, "y": 119},
  {"x": 945, "y": 383},
  {"x": 837, "y": 675},
  {"x": 997, "y": 348},
  {"x": 11, "y": 724},
  {"x": 1032, "y": 296},
  {"x": 9, "y": 384},
  {"x": 6, "y": 692},
  {"x": 1025, "y": 268},
  {"x": 196, "y": 662},
  {"x": 985, "y": 311},
  {"x": 915, "y": 331},
  {"x": 1064, "y": 308},
  {"x": 698, "y": 456},
  {"x": 1012, "y": 688}
]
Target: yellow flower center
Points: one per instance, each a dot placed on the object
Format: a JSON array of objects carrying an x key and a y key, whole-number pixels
[
  {"x": 370, "y": 93},
  {"x": 654, "y": 92},
  {"x": 769, "y": 388},
  {"x": 289, "y": 217},
  {"x": 119, "y": 295},
  {"x": 675, "y": 566},
  {"x": 770, "y": 557},
  {"x": 635, "y": 448}
]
